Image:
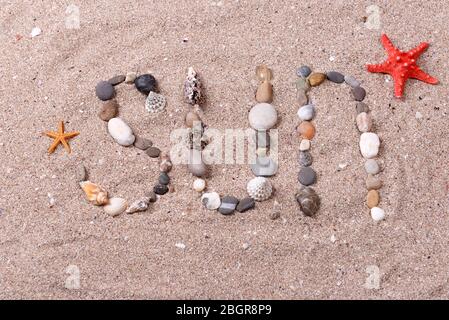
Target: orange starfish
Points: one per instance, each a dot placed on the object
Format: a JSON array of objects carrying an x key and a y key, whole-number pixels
[{"x": 60, "y": 137}]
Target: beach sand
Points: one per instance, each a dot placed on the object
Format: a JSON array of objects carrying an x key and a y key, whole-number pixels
[{"x": 52, "y": 77}]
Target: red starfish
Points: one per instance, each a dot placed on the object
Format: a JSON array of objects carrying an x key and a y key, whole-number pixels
[{"x": 401, "y": 65}]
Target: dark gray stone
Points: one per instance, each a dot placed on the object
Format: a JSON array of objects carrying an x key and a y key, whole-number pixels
[
  {"x": 246, "y": 204},
  {"x": 104, "y": 91},
  {"x": 335, "y": 76},
  {"x": 228, "y": 205},
  {"x": 146, "y": 83},
  {"x": 305, "y": 158},
  {"x": 358, "y": 93},
  {"x": 142, "y": 143},
  {"x": 160, "y": 189},
  {"x": 153, "y": 152},
  {"x": 307, "y": 176},
  {"x": 164, "y": 178}
]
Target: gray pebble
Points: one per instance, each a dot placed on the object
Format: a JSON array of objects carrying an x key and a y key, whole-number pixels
[
  {"x": 371, "y": 166},
  {"x": 142, "y": 143},
  {"x": 104, "y": 90},
  {"x": 307, "y": 112},
  {"x": 146, "y": 83},
  {"x": 351, "y": 81},
  {"x": 358, "y": 93},
  {"x": 302, "y": 84},
  {"x": 164, "y": 178},
  {"x": 303, "y": 71},
  {"x": 305, "y": 158},
  {"x": 153, "y": 152},
  {"x": 228, "y": 205},
  {"x": 361, "y": 107},
  {"x": 117, "y": 80},
  {"x": 307, "y": 176},
  {"x": 160, "y": 189},
  {"x": 264, "y": 167},
  {"x": 246, "y": 204},
  {"x": 335, "y": 76},
  {"x": 373, "y": 183},
  {"x": 302, "y": 97}
]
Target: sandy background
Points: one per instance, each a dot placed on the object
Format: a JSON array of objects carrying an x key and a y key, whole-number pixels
[{"x": 52, "y": 77}]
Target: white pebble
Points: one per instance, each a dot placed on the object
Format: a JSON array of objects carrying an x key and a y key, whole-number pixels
[
  {"x": 377, "y": 214},
  {"x": 35, "y": 32},
  {"x": 333, "y": 238},
  {"x": 263, "y": 116},
  {"x": 199, "y": 185},
  {"x": 304, "y": 145},
  {"x": 369, "y": 145},
  {"x": 306, "y": 113},
  {"x": 211, "y": 200},
  {"x": 418, "y": 115},
  {"x": 121, "y": 132},
  {"x": 180, "y": 245},
  {"x": 371, "y": 166}
]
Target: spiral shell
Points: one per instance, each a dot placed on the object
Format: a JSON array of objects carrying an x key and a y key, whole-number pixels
[
  {"x": 139, "y": 205},
  {"x": 259, "y": 188},
  {"x": 95, "y": 194},
  {"x": 308, "y": 200},
  {"x": 155, "y": 102},
  {"x": 192, "y": 87}
]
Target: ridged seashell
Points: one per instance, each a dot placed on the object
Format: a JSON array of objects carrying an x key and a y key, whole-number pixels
[
  {"x": 115, "y": 207},
  {"x": 139, "y": 205},
  {"x": 192, "y": 87},
  {"x": 308, "y": 200},
  {"x": 155, "y": 102},
  {"x": 95, "y": 194},
  {"x": 259, "y": 188}
]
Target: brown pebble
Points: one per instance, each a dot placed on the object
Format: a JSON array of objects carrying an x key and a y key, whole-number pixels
[
  {"x": 264, "y": 92},
  {"x": 171, "y": 188},
  {"x": 373, "y": 183},
  {"x": 153, "y": 152},
  {"x": 364, "y": 122},
  {"x": 302, "y": 97},
  {"x": 165, "y": 165},
  {"x": 142, "y": 143},
  {"x": 109, "y": 110},
  {"x": 306, "y": 130},
  {"x": 191, "y": 118},
  {"x": 117, "y": 79},
  {"x": 316, "y": 79},
  {"x": 372, "y": 198}
]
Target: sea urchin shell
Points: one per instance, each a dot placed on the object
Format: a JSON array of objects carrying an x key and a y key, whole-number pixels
[{"x": 259, "y": 188}]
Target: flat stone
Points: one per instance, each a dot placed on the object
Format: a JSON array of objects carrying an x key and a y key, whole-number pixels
[
  {"x": 307, "y": 176},
  {"x": 372, "y": 167},
  {"x": 228, "y": 205},
  {"x": 153, "y": 152},
  {"x": 364, "y": 122},
  {"x": 130, "y": 77},
  {"x": 104, "y": 91},
  {"x": 373, "y": 183},
  {"x": 263, "y": 116},
  {"x": 335, "y": 77},
  {"x": 303, "y": 71},
  {"x": 146, "y": 83},
  {"x": 305, "y": 158},
  {"x": 372, "y": 198},
  {"x": 351, "y": 81},
  {"x": 264, "y": 167},
  {"x": 246, "y": 204},
  {"x": 361, "y": 107},
  {"x": 164, "y": 178},
  {"x": 306, "y": 113},
  {"x": 109, "y": 110},
  {"x": 358, "y": 93},
  {"x": 315, "y": 79},
  {"x": 142, "y": 143},
  {"x": 369, "y": 145},
  {"x": 117, "y": 79},
  {"x": 160, "y": 189}
]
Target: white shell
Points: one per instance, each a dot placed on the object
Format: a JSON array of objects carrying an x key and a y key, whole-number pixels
[
  {"x": 377, "y": 214},
  {"x": 115, "y": 207},
  {"x": 35, "y": 32},
  {"x": 155, "y": 102},
  {"x": 139, "y": 205},
  {"x": 211, "y": 200},
  {"x": 369, "y": 145},
  {"x": 199, "y": 185},
  {"x": 259, "y": 188},
  {"x": 263, "y": 116},
  {"x": 121, "y": 132}
]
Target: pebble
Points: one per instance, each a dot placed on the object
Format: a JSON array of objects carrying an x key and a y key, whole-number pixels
[
  {"x": 358, "y": 93},
  {"x": 302, "y": 97},
  {"x": 115, "y": 206},
  {"x": 335, "y": 76},
  {"x": 142, "y": 143},
  {"x": 263, "y": 116},
  {"x": 81, "y": 173},
  {"x": 191, "y": 119},
  {"x": 373, "y": 183},
  {"x": 361, "y": 107},
  {"x": 246, "y": 204},
  {"x": 153, "y": 152},
  {"x": 264, "y": 167},
  {"x": 351, "y": 81},
  {"x": 196, "y": 165},
  {"x": 211, "y": 200},
  {"x": 164, "y": 178},
  {"x": 372, "y": 167},
  {"x": 276, "y": 211},
  {"x": 160, "y": 189},
  {"x": 316, "y": 79},
  {"x": 121, "y": 132},
  {"x": 109, "y": 110},
  {"x": 377, "y": 214},
  {"x": 138, "y": 205},
  {"x": 228, "y": 205},
  {"x": 304, "y": 145},
  {"x": 146, "y": 83},
  {"x": 372, "y": 198},
  {"x": 306, "y": 130},
  {"x": 263, "y": 73},
  {"x": 302, "y": 84},
  {"x": 307, "y": 176},
  {"x": 36, "y": 31},
  {"x": 303, "y": 71},
  {"x": 104, "y": 90},
  {"x": 364, "y": 122},
  {"x": 306, "y": 113},
  {"x": 151, "y": 196},
  {"x": 199, "y": 185},
  {"x": 369, "y": 145},
  {"x": 305, "y": 158},
  {"x": 264, "y": 92},
  {"x": 166, "y": 164},
  {"x": 308, "y": 201},
  {"x": 130, "y": 77},
  {"x": 117, "y": 79}
]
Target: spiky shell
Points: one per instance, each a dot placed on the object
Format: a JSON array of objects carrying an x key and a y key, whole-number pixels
[
  {"x": 94, "y": 193},
  {"x": 308, "y": 200},
  {"x": 192, "y": 87},
  {"x": 259, "y": 188},
  {"x": 155, "y": 102}
]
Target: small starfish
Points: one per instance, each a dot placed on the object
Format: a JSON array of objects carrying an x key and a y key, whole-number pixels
[
  {"x": 401, "y": 65},
  {"x": 60, "y": 137}
]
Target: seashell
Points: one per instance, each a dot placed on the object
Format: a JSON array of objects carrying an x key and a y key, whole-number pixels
[
  {"x": 121, "y": 132},
  {"x": 115, "y": 207},
  {"x": 192, "y": 87},
  {"x": 199, "y": 185},
  {"x": 211, "y": 200},
  {"x": 139, "y": 205},
  {"x": 259, "y": 188},
  {"x": 155, "y": 102},
  {"x": 95, "y": 194},
  {"x": 308, "y": 200}
]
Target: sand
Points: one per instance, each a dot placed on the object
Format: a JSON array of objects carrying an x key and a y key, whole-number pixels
[{"x": 333, "y": 255}]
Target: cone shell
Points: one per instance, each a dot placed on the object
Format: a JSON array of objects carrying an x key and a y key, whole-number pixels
[
  {"x": 308, "y": 200},
  {"x": 192, "y": 87},
  {"x": 259, "y": 188},
  {"x": 94, "y": 193}
]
